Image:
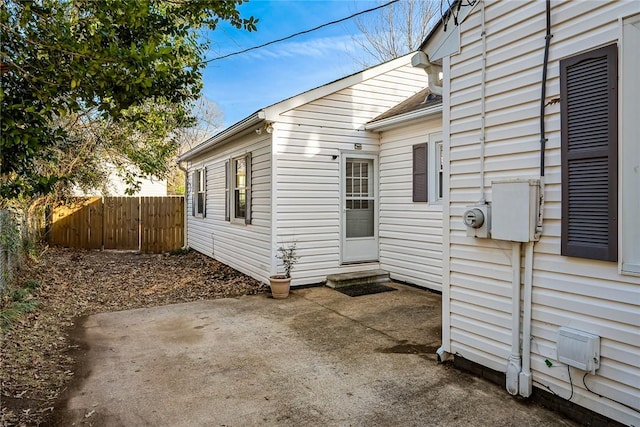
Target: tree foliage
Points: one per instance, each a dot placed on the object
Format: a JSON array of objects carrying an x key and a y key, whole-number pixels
[
  {"x": 209, "y": 120},
  {"x": 396, "y": 30},
  {"x": 82, "y": 78}
]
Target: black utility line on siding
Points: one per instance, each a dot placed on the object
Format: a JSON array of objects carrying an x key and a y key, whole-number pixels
[{"x": 300, "y": 33}]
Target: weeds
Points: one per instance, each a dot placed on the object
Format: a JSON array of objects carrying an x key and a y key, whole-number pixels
[
  {"x": 180, "y": 251},
  {"x": 18, "y": 301}
]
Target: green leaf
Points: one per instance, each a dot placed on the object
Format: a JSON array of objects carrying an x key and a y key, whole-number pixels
[{"x": 90, "y": 65}]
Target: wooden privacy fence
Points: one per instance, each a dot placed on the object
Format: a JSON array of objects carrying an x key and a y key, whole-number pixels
[{"x": 146, "y": 224}]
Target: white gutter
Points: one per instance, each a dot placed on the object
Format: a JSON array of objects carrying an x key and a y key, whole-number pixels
[
  {"x": 391, "y": 122},
  {"x": 229, "y": 132},
  {"x": 421, "y": 60}
]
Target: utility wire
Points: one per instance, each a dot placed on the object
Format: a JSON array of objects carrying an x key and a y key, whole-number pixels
[{"x": 300, "y": 33}]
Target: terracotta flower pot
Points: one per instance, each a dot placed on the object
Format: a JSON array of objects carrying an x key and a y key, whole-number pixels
[{"x": 280, "y": 286}]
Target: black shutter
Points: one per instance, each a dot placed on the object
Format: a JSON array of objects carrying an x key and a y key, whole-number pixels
[
  {"x": 420, "y": 173},
  {"x": 589, "y": 111},
  {"x": 194, "y": 192},
  {"x": 227, "y": 192},
  {"x": 247, "y": 215}
]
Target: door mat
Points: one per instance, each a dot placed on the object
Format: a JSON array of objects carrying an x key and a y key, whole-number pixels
[{"x": 365, "y": 289}]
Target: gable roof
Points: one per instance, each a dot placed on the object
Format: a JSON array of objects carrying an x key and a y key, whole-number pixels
[
  {"x": 422, "y": 99},
  {"x": 271, "y": 112},
  {"x": 422, "y": 104}
]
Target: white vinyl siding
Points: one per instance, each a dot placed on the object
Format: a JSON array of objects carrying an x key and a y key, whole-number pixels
[
  {"x": 587, "y": 295},
  {"x": 296, "y": 174},
  {"x": 246, "y": 248},
  {"x": 630, "y": 149},
  {"x": 306, "y": 139},
  {"x": 410, "y": 232}
]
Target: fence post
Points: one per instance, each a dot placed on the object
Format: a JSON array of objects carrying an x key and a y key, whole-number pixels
[{"x": 102, "y": 228}]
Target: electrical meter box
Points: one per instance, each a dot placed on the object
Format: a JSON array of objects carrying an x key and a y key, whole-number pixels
[
  {"x": 477, "y": 218},
  {"x": 579, "y": 349},
  {"x": 514, "y": 209}
]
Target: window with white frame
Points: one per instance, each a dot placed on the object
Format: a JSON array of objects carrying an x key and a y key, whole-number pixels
[
  {"x": 630, "y": 148},
  {"x": 439, "y": 166},
  {"x": 238, "y": 189},
  {"x": 428, "y": 170},
  {"x": 199, "y": 192}
]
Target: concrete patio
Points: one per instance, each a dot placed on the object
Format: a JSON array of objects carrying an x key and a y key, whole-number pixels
[{"x": 316, "y": 358}]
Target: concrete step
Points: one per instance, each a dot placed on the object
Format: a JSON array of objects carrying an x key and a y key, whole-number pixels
[{"x": 357, "y": 278}]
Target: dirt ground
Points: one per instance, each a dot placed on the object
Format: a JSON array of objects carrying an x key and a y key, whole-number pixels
[{"x": 37, "y": 362}]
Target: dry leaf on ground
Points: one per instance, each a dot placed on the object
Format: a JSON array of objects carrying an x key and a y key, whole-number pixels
[{"x": 36, "y": 352}]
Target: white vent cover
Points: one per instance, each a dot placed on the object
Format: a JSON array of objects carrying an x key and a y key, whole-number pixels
[{"x": 579, "y": 349}]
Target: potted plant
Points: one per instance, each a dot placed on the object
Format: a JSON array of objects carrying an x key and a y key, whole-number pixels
[{"x": 281, "y": 283}]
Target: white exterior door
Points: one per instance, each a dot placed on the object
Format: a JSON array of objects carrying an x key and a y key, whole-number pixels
[{"x": 359, "y": 209}]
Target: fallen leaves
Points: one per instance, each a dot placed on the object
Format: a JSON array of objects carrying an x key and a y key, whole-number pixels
[{"x": 36, "y": 351}]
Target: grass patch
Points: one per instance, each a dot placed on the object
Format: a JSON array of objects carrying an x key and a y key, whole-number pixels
[
  {"x": 17, "y": 301},
  {"x": 180, "y": 251}
]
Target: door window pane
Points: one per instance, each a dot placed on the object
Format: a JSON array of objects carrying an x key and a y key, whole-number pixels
[
  {"x": 360, "y": 214},
  {"x": 360, "y": 222}
]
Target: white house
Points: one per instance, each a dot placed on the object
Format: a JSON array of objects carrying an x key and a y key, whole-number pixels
[
  {"x": 410, "y": 177},
  {"x": 541, "y": 277},
  {"x": 328, "y": 170},
  {"x": 116, "y": 186}
]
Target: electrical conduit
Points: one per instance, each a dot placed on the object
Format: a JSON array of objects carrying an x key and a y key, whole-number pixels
[
  {"x": 483, "y": 84},
  {"x": 514, "y": 365},
  {"x": 526, "y": 382}
]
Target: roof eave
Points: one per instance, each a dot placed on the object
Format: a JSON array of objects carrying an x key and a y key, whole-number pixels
[
  {"x": 396, "y": 121},
  {"x": 225, "y": 135},
  {"x": 439, "y": 36}
]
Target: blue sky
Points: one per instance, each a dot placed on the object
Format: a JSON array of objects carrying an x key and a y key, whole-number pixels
[{"x": 242, "y": 84}]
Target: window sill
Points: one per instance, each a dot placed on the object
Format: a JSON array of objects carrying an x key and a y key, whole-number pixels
[{"x": 630, "y": 269}]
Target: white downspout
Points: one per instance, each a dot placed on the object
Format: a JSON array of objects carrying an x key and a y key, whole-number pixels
[
  {"x": 274, "y": 199},
  {"x": 444, "y": 352},
  {"x": 526, "y": 383},
  {"x": 526, "y": 380},
  {"x": 514, "y": 365},
  {"x": 186, "y": 207}
]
